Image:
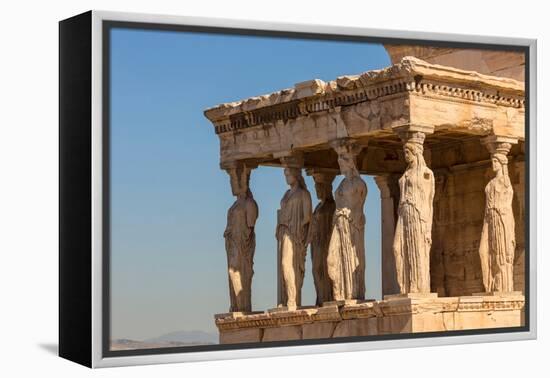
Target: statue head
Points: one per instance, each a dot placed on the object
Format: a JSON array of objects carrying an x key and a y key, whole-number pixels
[
  {"x": 239, "y": 178},
  {"x": 294, "y": 177},
  {"x": 346, "y": 161},
  {"x": 323, "y": 184},
  {"x": 498, "y": 161},
  {"x": 290, "y": 176},
  {"x": 347, "y": 151},
  {"x": 414, "y": 153}
]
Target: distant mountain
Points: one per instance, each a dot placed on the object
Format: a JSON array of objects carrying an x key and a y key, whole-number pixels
[
  {"x": 172, "y": 339},
  {"x": 186, "y": 337}
]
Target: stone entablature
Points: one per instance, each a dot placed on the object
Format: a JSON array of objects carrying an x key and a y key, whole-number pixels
[
  {"x": 368, "y": 106},
  {"x": 396, "y": 314},
  {"x": 409, "y": 75}
]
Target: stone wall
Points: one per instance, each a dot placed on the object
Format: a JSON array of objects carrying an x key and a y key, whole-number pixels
[
  {"x": 517, "y": 176},
  {"x": 397, "y": 315},
  {"x": 458, "y": 219}
]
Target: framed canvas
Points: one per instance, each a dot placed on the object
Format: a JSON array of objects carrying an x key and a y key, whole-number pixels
[{"x": 231, "y": 189}]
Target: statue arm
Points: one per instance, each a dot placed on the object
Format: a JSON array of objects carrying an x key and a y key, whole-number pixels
[
  {"x": 251, "y": 213},
  {"x": 306, "y": 203},
  {"x": 511, "y": 233},
  {"x": 280, "y": 220},
  {"x": 365, "y": 190},
  {"x": 362, "y": 191},
  {"x": 484, "y": 256},
  {"x": 307, "y": 208},
  {"x": 431, "y": 195},
  {"x": 507, "y": 181},
  {"x": 227, "y": 231},
  {"x": 310, "y": 236}
]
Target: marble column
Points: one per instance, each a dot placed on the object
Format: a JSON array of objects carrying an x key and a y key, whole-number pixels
[
  {"x": 389, "y": 198},
  {"x": 498, "y": 242},
  {"x": 413, "y": 231},
  {"x": 240, "y": 239},
  {"x": 346, "y": 253},
  {"x": 319, "y": 232},
  {"x": 444, "y": 211},
  {"x": 293, "y": 221}
]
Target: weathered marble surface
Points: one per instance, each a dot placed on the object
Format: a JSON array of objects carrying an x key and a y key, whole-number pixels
[
  {"x": 346, "y": 251},
  {"x": 413, "y": 232},
  {"x": 370, "y": 318},
  {"x": 319, "y": 233},
  {"x": 240, "y": 239},
  {"x": 293, "y": 221},
  {"x": 498, "y": 239},
  {"x": 490, "y": 62}
]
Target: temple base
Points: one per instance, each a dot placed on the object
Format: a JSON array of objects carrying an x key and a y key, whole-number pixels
[
  {"x": 499, "y": 294},
  {"x": 347, "y": 302},
  {"x": 288, "y": 308},
  {"x": 410, "y": 296},
  {"x": 396, "y": 315}
]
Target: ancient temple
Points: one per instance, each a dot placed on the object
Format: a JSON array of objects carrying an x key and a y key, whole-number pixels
[{"x": 443, "y": 133}]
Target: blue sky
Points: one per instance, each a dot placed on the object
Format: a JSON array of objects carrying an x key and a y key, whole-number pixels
[{"x": 169, "y": 196}]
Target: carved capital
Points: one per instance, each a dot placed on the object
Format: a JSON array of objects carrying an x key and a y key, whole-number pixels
[
  {"x": 292, "y": 159},
  {"x": 238, "y": 164},
  {"x": 337, "y": 121},
  {"x": 413, "y": 133},
  {"x": 322, "y": 175},
  {"x": 498, "y": 144},
  {"x": 239, "y": 174},
  {"x": 347, "y": 146}
]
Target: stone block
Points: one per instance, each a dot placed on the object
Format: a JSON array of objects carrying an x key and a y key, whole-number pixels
[
  {"x": 410, "y": 296},
  {"x": 320, "y": 330},
  {"x": 488, "y": 319},
  {"x": 245, "y": 335},
  {"x": 356, "y": 327},
  {"x": 401, "y": 323},
  {"x": 283, "y": 333},
  {"x": 506, "y": 294},
  {"x": 429, "y": 322},
  {"x": 372, "y": 326}
]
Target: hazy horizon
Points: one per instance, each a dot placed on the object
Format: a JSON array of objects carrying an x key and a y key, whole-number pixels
[{"x": 169, "y": 197}]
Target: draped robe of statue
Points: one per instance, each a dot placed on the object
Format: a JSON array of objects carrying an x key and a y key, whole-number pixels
[
  {"x": 346, "y": 252},
  {"x": 498, "y": 237},
  {"x": 412, "y": 239},
  {"x": 293, "y": 220},
  {"x": 240, "y": 243},
  {"x": 321, "y": 226}
]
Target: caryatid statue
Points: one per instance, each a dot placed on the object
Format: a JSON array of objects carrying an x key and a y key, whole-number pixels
[
  {"x": 240, "y": 240},
  {"x": 498, "y": 242},
  {"x": 413, "y": 231},
  {"x": 319, "y": 233},
  {"x": 346, "y": 252},
  {"x": 293, "y": 221}
]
